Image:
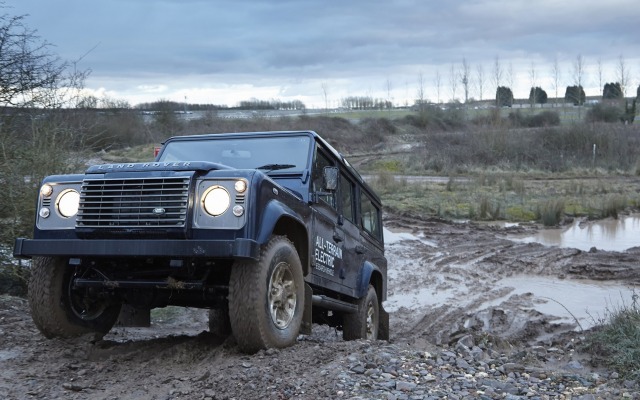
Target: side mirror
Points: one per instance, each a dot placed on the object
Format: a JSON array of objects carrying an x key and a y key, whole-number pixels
[{"x": 330, "y": 177}]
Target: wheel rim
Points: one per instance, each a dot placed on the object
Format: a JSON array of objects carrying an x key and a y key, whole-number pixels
[
  {"x": 372, "y": 322},
  {"x": 282, "y": 295}
]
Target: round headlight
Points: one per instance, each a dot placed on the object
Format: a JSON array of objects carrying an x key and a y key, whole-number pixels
[
  {"x": 216, "y": 201},
  {"x": 68, "y": 203}
]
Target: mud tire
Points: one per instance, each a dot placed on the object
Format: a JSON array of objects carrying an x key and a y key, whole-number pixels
[
  {"x": 364, "y": 324},
  {"x": 55, "y": 308},
  {"x": 266, "y": 298}
]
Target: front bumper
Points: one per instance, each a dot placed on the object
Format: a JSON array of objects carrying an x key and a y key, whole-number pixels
[{"x": 238, "y": 248}]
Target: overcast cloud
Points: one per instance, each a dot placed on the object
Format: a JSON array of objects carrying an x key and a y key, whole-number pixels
[{"x": 221, "y": 52}]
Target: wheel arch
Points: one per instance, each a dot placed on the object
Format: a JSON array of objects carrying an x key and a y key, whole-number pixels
[
  {"x": 371, "y": 275},
  {"x": 278, "y": 219}
]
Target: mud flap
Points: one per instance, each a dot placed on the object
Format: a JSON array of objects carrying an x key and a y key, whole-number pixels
[
  {"x": 383, "y": 325},
  {"x": 307, "y": 316},
  {"x": 134, "y": 317}
]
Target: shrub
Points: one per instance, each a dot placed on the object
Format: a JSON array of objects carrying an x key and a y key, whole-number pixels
[
  {"x": 545, "y": 118},
  {"x": 605, "y": 113},
  {"x": 616, "y": 342},
  {"x": 539, "y": 120},
  {"x": 551, "y": 212},
  {"x": 613, "y": 205}
]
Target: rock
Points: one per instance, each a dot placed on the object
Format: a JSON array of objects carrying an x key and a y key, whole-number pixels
[{"x": 405, "y": 386}]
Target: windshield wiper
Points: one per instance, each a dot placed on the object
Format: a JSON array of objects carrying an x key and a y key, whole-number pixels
[{"x": 274, "y": 167}]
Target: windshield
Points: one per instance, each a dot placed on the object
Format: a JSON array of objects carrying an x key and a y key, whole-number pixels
[{"x": 281, "y": 153}]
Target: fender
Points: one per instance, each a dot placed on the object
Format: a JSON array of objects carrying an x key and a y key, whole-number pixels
[
  {"x": 367, "y": 270},
  {"x": 272, "y": 215}
]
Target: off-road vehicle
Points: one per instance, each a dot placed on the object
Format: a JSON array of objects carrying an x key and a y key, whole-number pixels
[{"x": 270, "y": 231}]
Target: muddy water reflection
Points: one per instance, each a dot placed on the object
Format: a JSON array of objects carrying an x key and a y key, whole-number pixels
[{"x": 609, "y": 234}]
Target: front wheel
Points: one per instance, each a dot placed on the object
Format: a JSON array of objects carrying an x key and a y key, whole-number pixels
[
  {"x": 365, "y": 322},
  {"x": 266, "y": 298},
  {"x": 58, "y": 309}
]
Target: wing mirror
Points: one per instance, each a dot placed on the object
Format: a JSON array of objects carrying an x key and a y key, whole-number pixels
[{"x": 330, "y": 178}]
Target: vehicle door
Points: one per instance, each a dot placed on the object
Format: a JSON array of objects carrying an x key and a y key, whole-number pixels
[
  {"x": 327, "y": 238},
  {"x": 353, "y": 254}
]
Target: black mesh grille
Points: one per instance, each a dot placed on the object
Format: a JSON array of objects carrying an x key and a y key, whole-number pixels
[{"x": 134, "y": 203}]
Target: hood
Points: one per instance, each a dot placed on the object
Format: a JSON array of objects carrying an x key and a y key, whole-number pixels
[{"x": 157, "y": 166}]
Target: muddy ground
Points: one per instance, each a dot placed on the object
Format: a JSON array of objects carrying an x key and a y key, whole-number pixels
[{"x": 446, "y": 281}]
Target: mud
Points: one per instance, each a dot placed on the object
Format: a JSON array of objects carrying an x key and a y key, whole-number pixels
[{"x": 446, "y": 281}]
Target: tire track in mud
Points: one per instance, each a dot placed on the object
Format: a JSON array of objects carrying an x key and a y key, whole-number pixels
[{"x": 454, "y": 279}]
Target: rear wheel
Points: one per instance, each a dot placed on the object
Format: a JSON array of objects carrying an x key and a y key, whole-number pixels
[
  {"x": 266, "y": 298},
  {"x": 58, "y": 309},
  {"x": 365, "y": 322}
]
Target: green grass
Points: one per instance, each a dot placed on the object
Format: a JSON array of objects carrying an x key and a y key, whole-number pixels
[
  {"x": 615, "y": 342},
  {"x": 499, "y": 196}
]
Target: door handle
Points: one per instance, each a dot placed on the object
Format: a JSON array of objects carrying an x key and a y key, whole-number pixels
[
  {"x": 360, "y": 249},
  {"x": 337, "y": 237}
]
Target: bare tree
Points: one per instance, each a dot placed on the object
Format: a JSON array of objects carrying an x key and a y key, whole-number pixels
[
  {"x": 622, "y": 75},
  {"x": 465, "y": 73},
  {"x": 325, "y": 95},
  {"x": 578, "y": 70},
  {"x": 556, "y": 76},
  {"x": 438, "y": 86},
  {"x": 420, "y": 92},
  {"x": 389, "y": 89},
  {"x": 510, "y": 76},
  {"x": 35, "y": 140},
  {"x": 28, "y": 70},
  {"x": 533, "y": 81},
  {"x": 453, "y": 82},
  {"x": 600, "y": 73},
  {"x": 480, "y": 80},
  {"x": 578, "y": 76},
  {"x": 497, "y": 73}
]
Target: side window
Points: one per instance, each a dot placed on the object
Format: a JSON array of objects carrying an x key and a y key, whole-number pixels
[
  {"x": 346, "y": 197},
  {"x": 370, "y": 216},
  {"x": 320, "y": 160}
]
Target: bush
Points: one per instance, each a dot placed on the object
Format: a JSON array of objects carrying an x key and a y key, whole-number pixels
[
  {"x": 551, "y": 212},
  {"x": 540, "y": 120},
  {"x": 605, "y": 113},
  {"x": 545, "y": 118},
  {"x": 616, "y": 342}
]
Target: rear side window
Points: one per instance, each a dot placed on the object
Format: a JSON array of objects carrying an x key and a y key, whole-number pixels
[{"x": 370, "y": 216}]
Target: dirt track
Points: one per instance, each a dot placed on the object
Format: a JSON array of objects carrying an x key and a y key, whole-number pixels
[{"x": 446, "y": 281}]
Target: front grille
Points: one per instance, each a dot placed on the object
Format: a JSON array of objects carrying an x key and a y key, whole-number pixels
[{"x": 134, "y": 203}]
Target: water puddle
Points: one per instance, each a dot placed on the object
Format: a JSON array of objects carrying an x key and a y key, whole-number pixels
[
  {"x": 583, "y": 301},
  {"x": 394, "y": 236},
  {"x": 608, "y": 234}
]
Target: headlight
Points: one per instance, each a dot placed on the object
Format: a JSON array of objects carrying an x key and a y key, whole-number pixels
[
  {"x": 216, "y": 201},
  {"x": 68, "y": 203}
]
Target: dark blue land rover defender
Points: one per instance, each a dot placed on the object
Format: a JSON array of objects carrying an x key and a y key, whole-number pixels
[{"x": 270, "y": 231}]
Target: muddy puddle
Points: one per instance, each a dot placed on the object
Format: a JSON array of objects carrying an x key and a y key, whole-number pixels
[
  {"x": 609, "y": 234},
  {"x": 579, "y": 302},
  {"x": 586, "y": 303}
]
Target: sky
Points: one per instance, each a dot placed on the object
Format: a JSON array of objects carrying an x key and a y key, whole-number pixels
[{"x": 321, "y": 51}]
